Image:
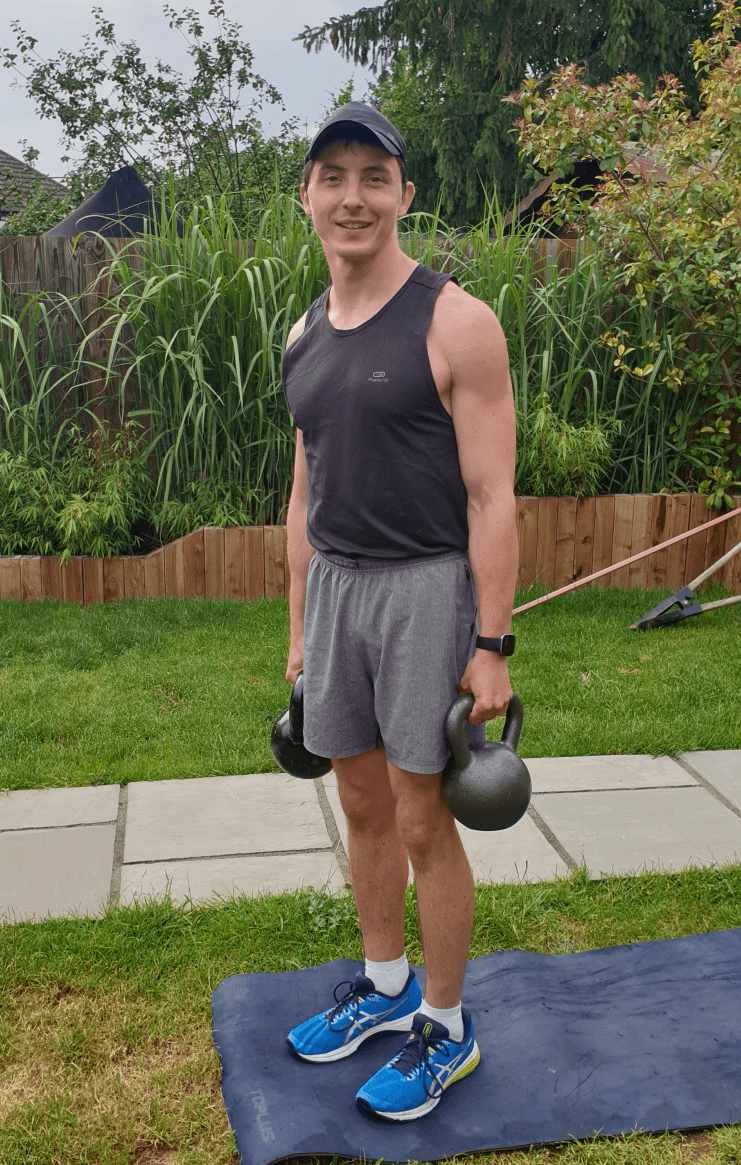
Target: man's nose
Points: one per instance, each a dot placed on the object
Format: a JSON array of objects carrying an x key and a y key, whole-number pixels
[{"x": 353, "y": 195}]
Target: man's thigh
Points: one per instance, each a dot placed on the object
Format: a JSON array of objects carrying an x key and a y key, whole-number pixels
[{"x": 427, "y": 638}]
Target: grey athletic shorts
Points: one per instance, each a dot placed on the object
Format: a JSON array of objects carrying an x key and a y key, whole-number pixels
[{"x": 385, "y": 646}]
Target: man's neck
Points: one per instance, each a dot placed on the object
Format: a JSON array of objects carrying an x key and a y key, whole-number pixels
[{"x": 359, "y": 290}]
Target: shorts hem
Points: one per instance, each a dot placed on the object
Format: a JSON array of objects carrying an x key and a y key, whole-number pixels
[
  {"x": 345, "y": 753},
  {"x": 423, "y": 771}
]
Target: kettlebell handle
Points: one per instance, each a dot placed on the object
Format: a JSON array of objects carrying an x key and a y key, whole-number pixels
[{"x": 512, "y": 722}]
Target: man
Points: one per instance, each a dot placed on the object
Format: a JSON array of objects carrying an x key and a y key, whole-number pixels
[{"x": 398, "y": 383}]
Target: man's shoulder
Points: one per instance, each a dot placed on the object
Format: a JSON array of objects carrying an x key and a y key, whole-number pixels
[
  {"x": 457, "y": 312},
  {"x": 297, "y": 330}
]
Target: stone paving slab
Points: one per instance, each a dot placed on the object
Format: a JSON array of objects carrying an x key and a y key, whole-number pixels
[
  {"x": 721, "y": 768},
  {"x": 218, "y": 816},
  {"x": 577, "y": 774},
  {"x": 55, "y": 872},
  {"x": 518, "y": 854},
  {"x": 46, "y": 808},
  {"x": 509, "y": 855},
  {"x": 202, "y": 880},
  {"x": 627, "y": 831}
]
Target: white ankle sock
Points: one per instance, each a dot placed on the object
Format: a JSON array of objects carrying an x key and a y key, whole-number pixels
[
  {"x": 450, "y": 1017},
  {"x": 388, "y": 978}
]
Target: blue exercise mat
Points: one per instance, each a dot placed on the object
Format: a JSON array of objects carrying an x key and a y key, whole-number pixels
[{"x": 646, "y": 1036}]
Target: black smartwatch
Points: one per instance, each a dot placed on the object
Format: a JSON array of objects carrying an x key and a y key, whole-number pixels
[{"x": 504, "y": 645}]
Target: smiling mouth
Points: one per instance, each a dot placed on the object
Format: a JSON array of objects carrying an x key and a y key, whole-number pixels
[{"x": 353, "y": 226}]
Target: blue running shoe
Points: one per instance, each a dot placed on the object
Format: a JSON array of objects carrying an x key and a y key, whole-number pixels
[
  {"x": 360, "y": 1013},
  {"x": 412, "y": 1083}
]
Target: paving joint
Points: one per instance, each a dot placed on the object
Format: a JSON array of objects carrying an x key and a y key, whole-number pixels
[
  {"x": 711, "y": 789},
  {"x": 46, "y": 828},
  {"x": 267, "y": 853},
  {"x": 118, "y": 845},
  {"x": 332, "y": 830},
  {"x": 612, "y": 789},
  {"x": 550, "y": 837}
]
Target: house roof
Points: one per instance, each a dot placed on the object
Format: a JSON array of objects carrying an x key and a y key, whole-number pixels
[{"x": 25, "y": 176}]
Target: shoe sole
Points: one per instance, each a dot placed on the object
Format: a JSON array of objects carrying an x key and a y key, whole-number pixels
[
  {"x": 411, "y": 1114},
  {"x": 404, "y": 1024}
]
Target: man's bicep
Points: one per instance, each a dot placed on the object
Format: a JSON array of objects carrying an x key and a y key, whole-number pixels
[{"x": 483, "y": 407}]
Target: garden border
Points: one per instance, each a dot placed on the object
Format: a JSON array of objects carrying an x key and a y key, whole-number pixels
[{"x": 561, "y": 539}]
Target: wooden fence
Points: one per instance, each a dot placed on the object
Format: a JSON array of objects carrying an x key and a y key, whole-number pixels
[
  {"x": 561, "y": 539},
  {"x": 61, "y": 270}
]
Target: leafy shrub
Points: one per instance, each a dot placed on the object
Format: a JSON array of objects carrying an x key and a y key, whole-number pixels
[
  {"x": 561, "y": 459},
  {"x": 205, "y": 503},
  {"x": 86, "y": 502}
]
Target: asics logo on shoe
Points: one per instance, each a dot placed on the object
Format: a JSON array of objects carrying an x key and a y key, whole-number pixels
[
  {"x": 364, "y": 1018},
  {"x": 449, "y": 1069}
]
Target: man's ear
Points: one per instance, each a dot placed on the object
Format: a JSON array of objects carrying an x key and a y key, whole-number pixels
[
  {"x": 304, "y": 199},
  {"x": 406, "y": 199}
]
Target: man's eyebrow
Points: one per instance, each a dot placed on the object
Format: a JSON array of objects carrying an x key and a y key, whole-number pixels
[{"x": 379, "y": 166}]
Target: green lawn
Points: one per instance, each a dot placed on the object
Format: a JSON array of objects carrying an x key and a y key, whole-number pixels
[
  {"x": 160, "y": 689},
  {"x": 106, "y": 1052}
]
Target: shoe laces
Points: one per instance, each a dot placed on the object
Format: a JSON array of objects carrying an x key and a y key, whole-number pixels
[
  {"x": 350, "y": 1001},
  {"x": 414, "y": 1056}
]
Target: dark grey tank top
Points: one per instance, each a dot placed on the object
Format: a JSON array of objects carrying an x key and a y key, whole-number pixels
[{"x": 384, "y": 478}]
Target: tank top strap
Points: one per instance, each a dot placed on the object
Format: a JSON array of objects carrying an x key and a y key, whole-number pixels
[
  {"x": 315, "y": 309},
  {"x": 425, "y": 286},
  {"x": 432, "y": 279}
]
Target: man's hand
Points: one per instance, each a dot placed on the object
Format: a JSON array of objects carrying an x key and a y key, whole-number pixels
[
  {"x": 295, "y": 664},
  {"x": 487, "y": 678}
]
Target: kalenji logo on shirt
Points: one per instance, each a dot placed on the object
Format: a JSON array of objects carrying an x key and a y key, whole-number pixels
[{"x": 378, "y": 378}]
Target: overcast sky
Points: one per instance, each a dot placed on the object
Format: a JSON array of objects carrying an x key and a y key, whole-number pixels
[{"x": 304, "y": 80}]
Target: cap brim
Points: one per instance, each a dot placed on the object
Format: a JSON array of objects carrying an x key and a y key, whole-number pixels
[{"x": 334, "y": 131}]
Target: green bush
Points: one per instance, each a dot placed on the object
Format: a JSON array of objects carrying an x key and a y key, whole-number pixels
[
  {"x": 564, "y": 460},
  {"x": 205, "y": 504},
  {"x": 85, "y": 502}
]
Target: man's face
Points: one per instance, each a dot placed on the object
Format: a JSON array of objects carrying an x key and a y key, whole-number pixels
[{"x": 355, "y": 197}]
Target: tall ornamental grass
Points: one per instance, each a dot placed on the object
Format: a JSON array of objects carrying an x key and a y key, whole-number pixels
[
  {"x": 562, "y": 329},
  {"x": 42, "y": 374},
  {"x": 201, "y": 322},
  {"x": 198, "y": 319}
]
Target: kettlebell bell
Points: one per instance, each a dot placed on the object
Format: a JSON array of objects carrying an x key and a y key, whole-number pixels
[
  {"x": 488, "y": 788},
  {"x": 287, "y": 739}
]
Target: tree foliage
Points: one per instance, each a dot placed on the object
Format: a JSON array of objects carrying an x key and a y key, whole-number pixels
[
  {"x": 444, "y": 70},
  {"x": 36, "y": 204},
  {"x": 674, "y": 227},
  {"x": 204, "y": 129}
]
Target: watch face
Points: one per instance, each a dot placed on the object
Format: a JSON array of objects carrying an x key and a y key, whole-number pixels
[{"x": 508, "y": 644}]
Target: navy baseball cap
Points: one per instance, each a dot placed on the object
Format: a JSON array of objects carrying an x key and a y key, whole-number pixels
[{"x": 355, "y": 113}]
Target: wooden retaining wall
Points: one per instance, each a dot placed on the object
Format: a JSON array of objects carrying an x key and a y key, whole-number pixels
[{"x": 561, "y": 539}]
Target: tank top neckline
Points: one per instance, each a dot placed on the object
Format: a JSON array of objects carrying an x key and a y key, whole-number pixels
[{"x": 342, "y": 332}]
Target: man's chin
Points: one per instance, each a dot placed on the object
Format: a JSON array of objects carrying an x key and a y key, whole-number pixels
[{"x": 357, "y": 249}]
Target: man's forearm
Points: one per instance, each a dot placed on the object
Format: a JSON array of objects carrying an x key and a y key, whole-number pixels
[
  {"x": 300, "y": 554},
  {"x": 493, "y": 550}
]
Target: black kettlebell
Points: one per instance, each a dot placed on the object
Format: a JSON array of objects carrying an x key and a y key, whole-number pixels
[
  {"x": 487, "y": 788},
  {"x": 287, "y": 739}
]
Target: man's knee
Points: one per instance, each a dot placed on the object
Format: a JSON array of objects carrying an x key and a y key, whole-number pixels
[
  {"x": 423, "y": 820},
  {"x": 365, "y": 790}
]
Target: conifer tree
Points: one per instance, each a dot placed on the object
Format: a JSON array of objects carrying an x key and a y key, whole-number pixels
[{"x": 445, "y": 66}]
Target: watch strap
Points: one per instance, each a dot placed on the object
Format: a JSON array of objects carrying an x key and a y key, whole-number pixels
[{"x": 502, "y": 645}]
